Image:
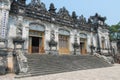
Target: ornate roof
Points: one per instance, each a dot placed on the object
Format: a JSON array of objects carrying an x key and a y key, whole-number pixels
[
  {"x": 36, "y": 5},
  {"x": 82, "y": 20},
  {"x": 97, "y": 18},
  {"x": 64, "y": 13},
  {"x": 37, "y": 9}
]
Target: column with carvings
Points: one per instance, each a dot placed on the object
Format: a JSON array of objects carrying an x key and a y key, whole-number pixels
[
  {"x": 4, "y": 17},
  {"x": 52, "y": 43}
]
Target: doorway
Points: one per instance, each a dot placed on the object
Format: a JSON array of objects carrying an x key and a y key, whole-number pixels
[
  {"x": 64, "y": 44},
  {"x": 35, "y": 44},
  {"x": 83, "y": 49}
]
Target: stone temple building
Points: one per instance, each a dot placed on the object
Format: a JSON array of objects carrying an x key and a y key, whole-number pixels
[{"x": 35, "y": 30}]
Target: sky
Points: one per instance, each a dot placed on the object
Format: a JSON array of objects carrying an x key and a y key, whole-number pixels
[{"x": 87, "y": 8}]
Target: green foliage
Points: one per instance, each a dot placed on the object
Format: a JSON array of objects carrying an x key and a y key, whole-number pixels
[{"x": 115, "y": 32}]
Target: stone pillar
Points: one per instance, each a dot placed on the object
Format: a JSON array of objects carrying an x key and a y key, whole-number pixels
[
  {"x": 4, "y": 17},
  {"x": 46, "y": 40},
  {"x": 57, "y": 39},
  {"x": 26, "y": 38},
  {"x": 71, "y": 41},
  {"x": 98, "y": 41}
]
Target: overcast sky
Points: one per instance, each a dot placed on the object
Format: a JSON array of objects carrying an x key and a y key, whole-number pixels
[{"x": 108, "y": 8}]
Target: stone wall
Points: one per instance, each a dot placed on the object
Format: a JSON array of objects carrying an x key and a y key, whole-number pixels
[{"x": 51, "y": 26}]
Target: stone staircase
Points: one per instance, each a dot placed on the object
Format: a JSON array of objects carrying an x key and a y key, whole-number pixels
[{"x": 51, "y": 64}]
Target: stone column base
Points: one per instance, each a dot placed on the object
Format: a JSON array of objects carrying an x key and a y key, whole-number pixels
[
  {"x": 53, "y": 52},
  {"x": 77, "y": 53},
  {"x": 3, "y": 61}
]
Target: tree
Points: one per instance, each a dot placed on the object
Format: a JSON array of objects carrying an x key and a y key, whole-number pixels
[{"x": 115, "y": 32}]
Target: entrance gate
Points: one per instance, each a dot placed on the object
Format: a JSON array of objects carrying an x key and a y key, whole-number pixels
[
  {"x": 36, "y": 38},
  {"x": 83, "y": 49},
  {"x": 64, "y": 36},
  {"x": 36, "y": 42},
  {"x": 63, "y": 44},
  {"x": 83, "y": 43}
]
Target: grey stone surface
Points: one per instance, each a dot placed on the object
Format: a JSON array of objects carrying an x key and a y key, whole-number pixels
[
  {"x": 107, "y": 73},
  {"x": 22, "y": 61},
  {"x": 53, "y": 52},
  {"x": 3, "y": 62},
  {"x": 2, "y": 44},
  {"x": 51, "y": 64}
]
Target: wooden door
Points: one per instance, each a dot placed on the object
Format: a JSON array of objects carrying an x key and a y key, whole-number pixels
[
  {"x": 83, "y": 46},
  {"x": 64, "y": 44},
  {"x": 36, "y": 42}
]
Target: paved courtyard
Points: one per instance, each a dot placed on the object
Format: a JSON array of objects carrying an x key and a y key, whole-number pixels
[{"x": 109, "y": 73}]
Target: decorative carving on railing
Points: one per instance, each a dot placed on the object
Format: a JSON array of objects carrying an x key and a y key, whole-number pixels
[
  {"x": 52, "y": 42},
  {"x": 22, "y": 62},
  {"x": 19, "y": 29},
  {"x": 3, "y": 43},
  {"x": 3, "y": 61}
]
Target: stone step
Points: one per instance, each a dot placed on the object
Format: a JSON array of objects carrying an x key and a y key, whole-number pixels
[{"x": 51, "y": 64}]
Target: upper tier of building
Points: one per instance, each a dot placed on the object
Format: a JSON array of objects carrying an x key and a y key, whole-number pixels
[{"x": 36, "y": 9}]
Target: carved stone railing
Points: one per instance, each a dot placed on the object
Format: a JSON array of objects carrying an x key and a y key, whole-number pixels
[
  {"x": 109, "y": 59},
  {"x": 3, "y": 62},
  {"x": 22, "y": 62},
  {"x": 3, "y": 56}
]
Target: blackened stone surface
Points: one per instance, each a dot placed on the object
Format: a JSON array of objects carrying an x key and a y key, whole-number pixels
[{"x": 3, "y": 62}]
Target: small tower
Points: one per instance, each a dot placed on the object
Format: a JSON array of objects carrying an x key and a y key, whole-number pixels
[
  {"x": 74, "y": 16},
  {"x": 4, "y": 17},
  {"x": 22, "y": 2},
  {"x": 35, "y": 2},
  {"x": 52, "y": 9}
]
